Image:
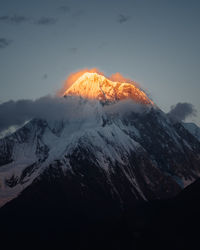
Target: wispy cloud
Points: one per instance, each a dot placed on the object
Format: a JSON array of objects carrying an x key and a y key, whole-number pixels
[
  {"x": 15, "y": 19},
  {"x": 181, "y": 111},
  {"x": 64, "y": 9},
  {"x": 123, "y": 18},
  {"x": 16, "y": 113},
  {"x": 73, "y": 50},
  {"x": 4, "y": 42},
  {"x": 46, "y": 21},
  {"x": 44, "y": 77}
]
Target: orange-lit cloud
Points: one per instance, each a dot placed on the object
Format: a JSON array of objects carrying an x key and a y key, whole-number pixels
[{"x": 117, "y": 77}]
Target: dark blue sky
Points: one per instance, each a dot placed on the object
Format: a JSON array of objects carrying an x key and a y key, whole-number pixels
[{"x": 155, "y": 42}]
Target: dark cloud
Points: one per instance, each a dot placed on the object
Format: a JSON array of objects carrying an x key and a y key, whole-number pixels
[
  {"x": 15, "y": 19},
  {"x": 64, "y": 9},
  {"x": 4, "y": 18},
  {"x": 4, "y": 43},
  {"x": 15, "y": 113},
  {"x": 46, "y": 21},
  {"x": 73, "y": 50},
  {"x": 181, "y": 111},
  {"x": 123, "y": 18},
  {"x": 51, "y": 109},
  {"x": 45, "y": 76}
]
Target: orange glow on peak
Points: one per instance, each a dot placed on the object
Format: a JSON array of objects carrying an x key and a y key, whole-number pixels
[
  {"x": 117, "y": 77},
  {"x": 92, "y": 84},
  {"x": 75, "y": 76}
]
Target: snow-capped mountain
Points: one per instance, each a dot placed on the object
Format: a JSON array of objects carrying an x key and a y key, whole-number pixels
[
  {"x": 117, "y": 152},
  {"x": 95, "y": 86}
]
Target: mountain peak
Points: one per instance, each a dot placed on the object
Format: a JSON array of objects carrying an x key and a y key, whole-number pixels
[{"x": 96, "y": 86}]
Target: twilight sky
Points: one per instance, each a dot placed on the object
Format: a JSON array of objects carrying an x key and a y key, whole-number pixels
[{"x": 154, "y": 42}]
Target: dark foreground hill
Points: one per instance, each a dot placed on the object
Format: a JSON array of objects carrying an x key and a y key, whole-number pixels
[{"x": 160, "y": 224}]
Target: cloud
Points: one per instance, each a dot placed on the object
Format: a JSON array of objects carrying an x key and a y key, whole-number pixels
[
  {"x": 4, "y": 43},
  {"x": 117, "y": 77},
  {"x": 64, "y": 9},
  {"x": 4, "y": 18},
  {"x": 16, "y": 113},
  {"x": 181, "y": 111},
  {"x": 125, "y": 107},
  {"x": 123, "y": 18},
  {"x": 15, "y": 19},
  {"x": 46, "y": 21},
  {"x": 73, "y": 50},
  {"x": 45, "y": 76}
]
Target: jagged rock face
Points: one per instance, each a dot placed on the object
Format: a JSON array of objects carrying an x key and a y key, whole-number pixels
[
  {"x": 138, "y": 156},
  {"x": 95, "y": 86},
  {"x": 169, "y": 145},
  {"x": 193, "y": 129}
]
